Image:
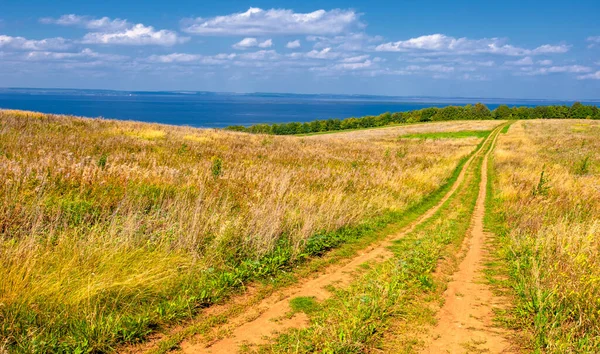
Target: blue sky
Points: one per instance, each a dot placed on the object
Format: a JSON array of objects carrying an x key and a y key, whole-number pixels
[{"x": 513, "y": 49}]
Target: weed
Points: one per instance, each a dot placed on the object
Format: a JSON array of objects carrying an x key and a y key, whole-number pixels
[
  {"x": 102, "y": 160},
  {"x": 216, "y": 167},
  {"x": 542, "y": 187},
  {"x": 583, "y": 166},
  {"x": 183, "y": 149}
]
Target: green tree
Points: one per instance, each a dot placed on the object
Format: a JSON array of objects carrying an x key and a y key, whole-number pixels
[
  {"x": 502, "y": 112},
  {"x": 578, "y": 110},
  {"x": 481, "y": 111}
]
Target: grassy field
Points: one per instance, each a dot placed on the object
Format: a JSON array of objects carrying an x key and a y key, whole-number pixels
[
  {"x": 547, "y": 209},
  {"x": 110, "y": 230}
]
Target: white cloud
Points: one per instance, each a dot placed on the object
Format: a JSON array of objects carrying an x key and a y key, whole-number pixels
[
  {"x": 117, "y": 31},
  {"x": 474, "y": 77},
  {"x": 260, "y": 55},
  {"x": 574, "y": 69},
  {"x": 293, "y": 44},
  {"x": 546, "y": 62},
  {"x": 136, "y": 35},
  {"x": 258, "y": 22},
  {"x": 21, "y": 43},
  {"x": 246, "y": 43},
  {"x": 438, "y": 68},
  {"x": 551, "y": 49},
  {"x": 266, "y": 44},
  {"x": 96, "y": 24},
  {"x": 66, "y": 56},
  {"x": 592, "y": 76},
  {"x": 354, "y": 65},
  {"x": 442, "y": 44},
  {"x": 325, "y": 53},
  {"x": 356, "y": 59},
  {"x": 521, "y": 62},
  {"x": 174, "y": 58},
  {"x": 594, "y": 41},
  {"x": 252, "y": 42},
  {"x": 348, "y": 42}
]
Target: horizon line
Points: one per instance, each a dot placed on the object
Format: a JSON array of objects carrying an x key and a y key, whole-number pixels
[{"x": 303, "y": 94}]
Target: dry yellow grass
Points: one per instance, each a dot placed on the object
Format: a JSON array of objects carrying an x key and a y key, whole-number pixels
[
  {"x": 108, "y": 229},
  {"x": 553, "y": 245}
]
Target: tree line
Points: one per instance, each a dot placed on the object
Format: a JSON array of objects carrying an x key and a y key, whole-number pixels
[{"x": 430, "y": 114}]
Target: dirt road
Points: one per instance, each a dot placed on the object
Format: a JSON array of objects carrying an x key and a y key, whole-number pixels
[{"x": 464, "y": 323}]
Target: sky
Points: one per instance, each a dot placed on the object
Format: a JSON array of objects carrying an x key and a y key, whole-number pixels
[{"x": 505, "y": 49}]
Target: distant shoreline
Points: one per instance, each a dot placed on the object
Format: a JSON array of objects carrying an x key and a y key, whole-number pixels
[{"x": 332, "y": 96}]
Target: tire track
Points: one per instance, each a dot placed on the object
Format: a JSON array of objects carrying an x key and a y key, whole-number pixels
[{"x": 464, "y": 323}]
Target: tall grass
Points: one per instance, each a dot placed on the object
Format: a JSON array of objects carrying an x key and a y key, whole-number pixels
[
  {"x": 548, "y": 178},
  {"x": 110, "y": 229}
]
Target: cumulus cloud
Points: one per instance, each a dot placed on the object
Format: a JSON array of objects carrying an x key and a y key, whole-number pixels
[
  {"x": 96, "y": 24},
  {"x": 293, "y": 44},
  {"x": 521, "y": 62},
  {"x": 192, "y": 58},
  {"x": 356, "y": 59},
  {"x": 21, "y": 43},
  {"x": 246, "y": 43},
  {"x": 546, "y": 62},
  {"x": 438, "y": 68},
  {"x": 574, "y": 69},
  {"x": 592, "y": 76},
  {"x": 69, "y": 56},
  {"x": 252, "y": 42},
  {"x": 258, "y": 22},
  {"x": 440, "y": 44},
  {"x": 117, "y": 31},
  {"x": 354, "y": 65},
  {"x": 266, "y": 44},
  {"x": 136, "y": 35},
  {"x": 593, "y": 40},
  {"x": 261, "y": 55},
  {"x": 347, "y": 42},
  {"x": 325, "y": 53}
]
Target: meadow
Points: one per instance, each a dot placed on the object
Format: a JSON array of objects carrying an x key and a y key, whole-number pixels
[
  {"x": 547, "y": 210},
  {"x": 111, "y": 230}
]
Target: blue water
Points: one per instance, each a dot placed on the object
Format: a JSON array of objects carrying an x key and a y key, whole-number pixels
[{"x": 202, "y": 109}]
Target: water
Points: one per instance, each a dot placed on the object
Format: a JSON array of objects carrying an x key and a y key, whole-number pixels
[{"x": 203, "y": 109}]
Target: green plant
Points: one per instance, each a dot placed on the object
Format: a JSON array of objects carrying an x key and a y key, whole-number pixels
[
  {"x": 102, "y": 160},
  {"x": 304, "y": 304},
  {"x": 542, "y": 187},
  {"x": 583, "y": 166},
  {"x": 183, "y": 149},
  {"x": 216, "y": 167}
]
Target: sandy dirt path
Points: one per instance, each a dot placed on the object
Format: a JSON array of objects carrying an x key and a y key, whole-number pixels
[
  {"x": 464, "y": 323},
  {"x": 269, "y": 317}
]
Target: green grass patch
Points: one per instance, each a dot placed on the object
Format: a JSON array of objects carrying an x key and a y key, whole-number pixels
[
  {"x": 306, "y": 304},
  {"x": 505, "y": 128}
]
